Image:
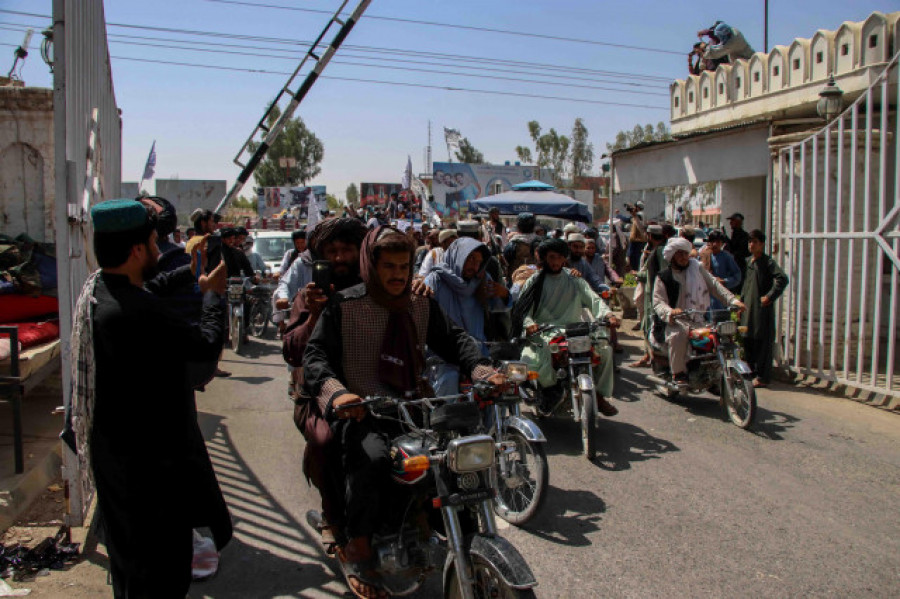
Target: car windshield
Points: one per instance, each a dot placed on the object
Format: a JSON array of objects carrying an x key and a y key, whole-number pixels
[{"x": 272, "y": 248}]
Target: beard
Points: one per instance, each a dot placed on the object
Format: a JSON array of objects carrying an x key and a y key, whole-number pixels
[
  {"x": 345, "y": 275},
  {"x": 553, "y": 271},
  {"x": 149, "y": 270}
]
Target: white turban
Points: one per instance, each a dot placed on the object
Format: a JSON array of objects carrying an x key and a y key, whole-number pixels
[
  {"x": 676, "y": 244},
  {"x": 576, "y": 237}
]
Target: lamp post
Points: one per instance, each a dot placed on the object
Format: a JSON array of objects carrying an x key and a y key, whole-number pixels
[
  {"x": 831, "y": 100},
  {"x": 287, "y": 163}
]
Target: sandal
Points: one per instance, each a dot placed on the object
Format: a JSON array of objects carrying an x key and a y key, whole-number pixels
[
  {"x": 759, "y": 384},
  {"x": 360, "y": 578},
  {"x": 642, "y": 363},
  {"x": 329, "y": 538}
]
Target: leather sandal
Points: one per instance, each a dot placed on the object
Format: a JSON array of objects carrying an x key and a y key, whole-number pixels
[{"x": 361, "y": 579}]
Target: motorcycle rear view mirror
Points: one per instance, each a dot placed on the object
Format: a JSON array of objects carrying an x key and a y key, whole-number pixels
[{"x": 322, "y": 275}]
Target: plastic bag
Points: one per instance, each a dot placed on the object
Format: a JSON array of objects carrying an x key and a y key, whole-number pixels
[{"x": 206, "y": 559}]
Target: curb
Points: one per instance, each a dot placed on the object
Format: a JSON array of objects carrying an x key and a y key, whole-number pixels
[{"x": 27, "y": 487}]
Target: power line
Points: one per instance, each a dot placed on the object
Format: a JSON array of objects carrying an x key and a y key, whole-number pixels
[
  {"x": 373, "y": 49},
  {"x": 452, "y": 26},
  {"x": 394, "y": 83}
]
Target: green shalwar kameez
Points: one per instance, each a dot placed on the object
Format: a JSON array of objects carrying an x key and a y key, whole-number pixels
[
  {"x": 562, "y": 301},
  {"x": 654, "y": 265},
  {"x": 763, "y": 278}
]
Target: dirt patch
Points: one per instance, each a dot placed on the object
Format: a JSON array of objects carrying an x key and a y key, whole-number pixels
[{"x": 42, "y": 518}]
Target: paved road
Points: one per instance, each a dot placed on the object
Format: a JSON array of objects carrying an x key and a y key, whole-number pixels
[{"x": 678, "y": 503}]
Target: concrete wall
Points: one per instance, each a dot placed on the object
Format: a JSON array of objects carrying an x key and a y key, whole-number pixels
[
  {"x": 747, "y": 196},
  {"x": 187, "y": 194},
  {"x": 26, "y": 163}
]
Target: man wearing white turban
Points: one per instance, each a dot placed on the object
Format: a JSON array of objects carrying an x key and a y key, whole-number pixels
[{"x": 685, "y": 285}]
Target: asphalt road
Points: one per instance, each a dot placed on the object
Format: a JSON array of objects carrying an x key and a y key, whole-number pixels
[{"x": 678, "y": 503}]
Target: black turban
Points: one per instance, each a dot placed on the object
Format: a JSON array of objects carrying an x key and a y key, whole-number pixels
[
  {"x": 345, "y": 229},
  {"x": 553, "y": 245}
]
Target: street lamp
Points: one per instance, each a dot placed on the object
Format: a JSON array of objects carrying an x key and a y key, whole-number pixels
[{"x": 831, "y": 100}]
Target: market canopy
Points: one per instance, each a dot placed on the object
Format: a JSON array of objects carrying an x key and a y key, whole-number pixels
[
  {"x": 542, "y": 203},
  {"x": 533, "y": 185}
]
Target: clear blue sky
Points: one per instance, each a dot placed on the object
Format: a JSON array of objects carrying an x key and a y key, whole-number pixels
[{"x": 199, "y": 117}]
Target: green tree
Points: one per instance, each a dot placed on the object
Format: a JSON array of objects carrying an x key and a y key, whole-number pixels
[
  {"x": 552, "y": 151},
  {"x": 468, "y": 154},
  {"x": 352, "y": 194},
  {"x": 295, "y": 141},
  {"x": 332, "y": 202},
  {"x": 523, "y": 153},
  {"x": 639, "y": 135},
  {"x": 582, "y": 154}
]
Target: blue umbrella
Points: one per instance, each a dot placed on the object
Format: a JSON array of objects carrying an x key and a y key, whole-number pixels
[
  {"x": 544, "y": 203},
  {"x": 533, "y": 185}
]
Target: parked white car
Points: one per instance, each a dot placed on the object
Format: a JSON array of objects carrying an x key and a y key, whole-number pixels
[{"x": 271, "y": 246}]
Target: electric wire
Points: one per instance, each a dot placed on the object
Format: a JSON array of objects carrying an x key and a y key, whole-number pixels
[
  {"x": 372, "y": 49},
  {"x": 453, "y": 26}
]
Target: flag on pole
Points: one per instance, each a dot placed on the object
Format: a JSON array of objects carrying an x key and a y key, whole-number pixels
[
  {"x": 313, "y": 216},
  {"x": 150, "y": 167},
  {"x": 407, "y": 174},
  {"x": 452, "y": 137}
]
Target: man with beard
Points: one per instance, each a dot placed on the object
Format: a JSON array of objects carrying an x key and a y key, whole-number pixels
[
  {"x": 368, "y": 342},
  {"x": 739, "y": 243},
  {"x": 337, "y": 241},
  {"x": 133, "y": 409},
  {"x": 685, "y": 285},
  {"x": 555, "y": 297},
  {"x": 467, "y": 293},
  {"x": 577, "y": 262}
]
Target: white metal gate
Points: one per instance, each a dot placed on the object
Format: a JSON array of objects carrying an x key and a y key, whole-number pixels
[{"x": 836, "y": 225}]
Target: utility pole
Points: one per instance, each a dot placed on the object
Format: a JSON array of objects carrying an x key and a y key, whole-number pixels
[{"x": 766, "y": 26}]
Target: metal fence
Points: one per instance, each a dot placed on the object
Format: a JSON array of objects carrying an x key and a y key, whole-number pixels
[
  {"x": 836, "y": 231},
  {"x": 87, "y": 165}
]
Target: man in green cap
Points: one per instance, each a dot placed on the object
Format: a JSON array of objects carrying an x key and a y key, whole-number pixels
[{"x": 133, "y": 412}]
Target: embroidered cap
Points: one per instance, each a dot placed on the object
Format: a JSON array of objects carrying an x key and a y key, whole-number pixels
[{"x": 115, "y": 216}]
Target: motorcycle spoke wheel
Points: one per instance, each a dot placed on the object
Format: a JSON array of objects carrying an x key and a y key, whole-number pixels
[
  {"x": 740, "y": 399},
  {"x": 258, "y": 321},
  {"x": 520, "y": 496},
  {"x": 235, "y": 332},
  {"x": 488, "y": 583}
]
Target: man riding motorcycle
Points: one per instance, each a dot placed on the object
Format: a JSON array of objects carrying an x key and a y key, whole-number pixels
[
  {"x": 369, "y": 341},
  {"x": 685, "y": 285},
  {"x": 554, "y": 296}
]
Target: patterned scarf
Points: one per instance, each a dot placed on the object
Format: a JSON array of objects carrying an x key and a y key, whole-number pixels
[{"x": 83, "y": 384}]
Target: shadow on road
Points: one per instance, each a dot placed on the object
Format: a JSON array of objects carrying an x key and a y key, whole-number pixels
[
  {"x": 253, "y": 380},
  {"x": 257, "y": 349},
  {"x": 271, "y": 554},
  {"x": 620, "y": 443},
  {"x": 567, "y": 516},
  {"x": 770, "y": 424}
]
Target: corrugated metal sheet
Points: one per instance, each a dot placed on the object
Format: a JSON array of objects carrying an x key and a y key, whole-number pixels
[{"x": 83, "y": 83}]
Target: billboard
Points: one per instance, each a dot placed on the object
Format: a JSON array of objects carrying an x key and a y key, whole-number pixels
[
  {"x": 455, "y": 183},
  {"x": 276, "y": 202},
  {"x": 377, "y": 193}
]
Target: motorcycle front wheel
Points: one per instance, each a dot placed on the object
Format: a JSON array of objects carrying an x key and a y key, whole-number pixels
[
  {"x": 589, "y": 424},
  {"x": 259, "y": 320},
  {"x": 521, "y": 493},
  {"x": 235, "y": 331},
  {"x": 489, "y": 584},
  {"x": 739, "y": 397}
]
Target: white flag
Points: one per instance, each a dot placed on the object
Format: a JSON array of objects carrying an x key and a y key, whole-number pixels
[
  {"x": 407, "y": 174},
  {"x": 453, "y": 137},
  {"x": 313, "y": 216}
]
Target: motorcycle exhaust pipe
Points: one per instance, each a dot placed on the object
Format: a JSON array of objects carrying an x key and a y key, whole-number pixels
[{"x": 655, "y": 379}]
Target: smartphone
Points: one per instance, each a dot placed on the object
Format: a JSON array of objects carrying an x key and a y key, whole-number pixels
[{"x": 322, "y": 275}]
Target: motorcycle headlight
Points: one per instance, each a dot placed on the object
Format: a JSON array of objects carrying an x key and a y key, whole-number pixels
[
  {"x": 517, "y": 372},
  {"x": 470, "y": 454},
  {"x": 728, "y": 328},
  {"x": 579, "y": 345}
]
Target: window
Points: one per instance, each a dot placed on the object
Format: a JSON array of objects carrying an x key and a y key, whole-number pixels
[
  {"x": 676, "y": 102},
  {"x": 845, "y": 49},
  {"x": 796, "y": 64},
  {"x": 691, "y": 97},
  {"x": 721, "y": 88},
  {"x": 776, "y": 70},
  {"x": 873, "y": 41},
  {"x": 705, "y": 92},
  {"x": 756, "y": 77},
  {"x": 819, "y": 57}
]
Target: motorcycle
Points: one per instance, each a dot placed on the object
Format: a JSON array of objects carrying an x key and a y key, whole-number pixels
[
  {"x": 522, "y": 472},
  {"x": 714, "y": 364},
  {"x": 260, "y": 304},
  {"x": 573, "y": 350},
  {"x": 236, "y": 322},
  {"x": 442, "y": 471}
]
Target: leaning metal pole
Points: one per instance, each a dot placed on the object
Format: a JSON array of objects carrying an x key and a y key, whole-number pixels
[{"x": 272, "y": 133}]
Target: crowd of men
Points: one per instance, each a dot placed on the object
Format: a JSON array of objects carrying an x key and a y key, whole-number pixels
[{"x": 403, "y": 313}]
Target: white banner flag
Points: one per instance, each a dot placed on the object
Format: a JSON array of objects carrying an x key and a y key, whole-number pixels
[
  {"x": 313, "y": 216},
  {"x": 453, "y": 137}
]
